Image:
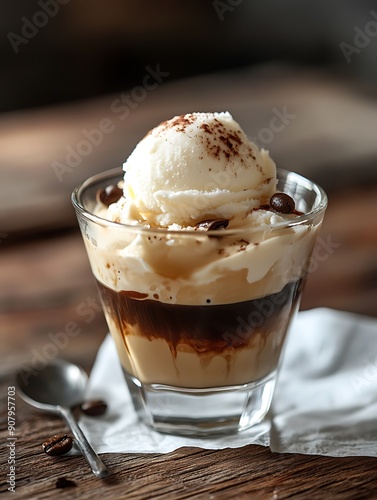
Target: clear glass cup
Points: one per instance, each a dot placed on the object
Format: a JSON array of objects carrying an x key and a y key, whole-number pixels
[{"x": 199, "y": 318}]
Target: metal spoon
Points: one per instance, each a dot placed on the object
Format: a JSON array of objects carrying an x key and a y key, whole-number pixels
[{"x": 56, "y": 388}]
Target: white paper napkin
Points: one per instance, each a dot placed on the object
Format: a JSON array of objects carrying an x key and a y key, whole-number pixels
[{"x": 325, "y": 400}]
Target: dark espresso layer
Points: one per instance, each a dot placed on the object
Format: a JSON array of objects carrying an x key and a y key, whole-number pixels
[{"x": 210, "y": 328}]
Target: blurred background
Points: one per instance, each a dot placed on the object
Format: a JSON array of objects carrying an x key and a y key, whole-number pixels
[
  {"x": 75, "y": 49},
  {"x": 83, "y": 80}
]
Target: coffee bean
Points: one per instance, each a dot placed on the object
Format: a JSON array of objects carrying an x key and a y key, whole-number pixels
[
  {"x": 94, "y": 408},
  {"x": 62, "y": 482},
  {"x": 212, "y": 224},
  {"x": 109, "y": 195},
  {"x": 283, "y": 203},
  {"x": 59, "y": 444}
]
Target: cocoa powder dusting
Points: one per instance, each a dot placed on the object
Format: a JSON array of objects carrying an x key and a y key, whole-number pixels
[
  {"x": 220, "y": 142},
  {"x": 180, "y": 123},
  {"x": 216, "y": 140}
]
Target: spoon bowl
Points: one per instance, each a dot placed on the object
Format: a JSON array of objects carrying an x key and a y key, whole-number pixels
[
  {"x": 56, "y": 388},
  {"x": 59, "y": 383}
]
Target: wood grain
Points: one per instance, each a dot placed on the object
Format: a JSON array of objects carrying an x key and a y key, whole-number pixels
[{"x": 184, "y": 473}]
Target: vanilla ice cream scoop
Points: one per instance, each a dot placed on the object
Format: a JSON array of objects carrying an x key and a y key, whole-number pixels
[{"x": 193, "y": 167}]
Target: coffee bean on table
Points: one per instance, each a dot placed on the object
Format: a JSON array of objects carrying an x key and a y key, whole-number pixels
[
  {"x": 109, "y": 195},
  {"x": 59, "y": 444},
  {"x": 283, "y": 203},
  {"x": 94, "y": 408},
  {"x": 63, "y": 482}
]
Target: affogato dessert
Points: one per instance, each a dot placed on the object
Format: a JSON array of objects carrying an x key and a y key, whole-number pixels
[{"x": 199, "y": 291}]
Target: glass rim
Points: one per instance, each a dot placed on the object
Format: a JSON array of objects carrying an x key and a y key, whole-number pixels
[{"x": 299, "y": 220}]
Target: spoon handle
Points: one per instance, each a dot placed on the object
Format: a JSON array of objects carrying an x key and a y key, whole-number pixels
[{"x": 99, "y": 469}]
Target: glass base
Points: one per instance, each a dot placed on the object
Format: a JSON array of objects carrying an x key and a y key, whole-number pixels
[{"x": 201, "y": 412}]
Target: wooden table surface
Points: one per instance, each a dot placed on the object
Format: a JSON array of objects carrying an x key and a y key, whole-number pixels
[{"x": 46, "y": 282}]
